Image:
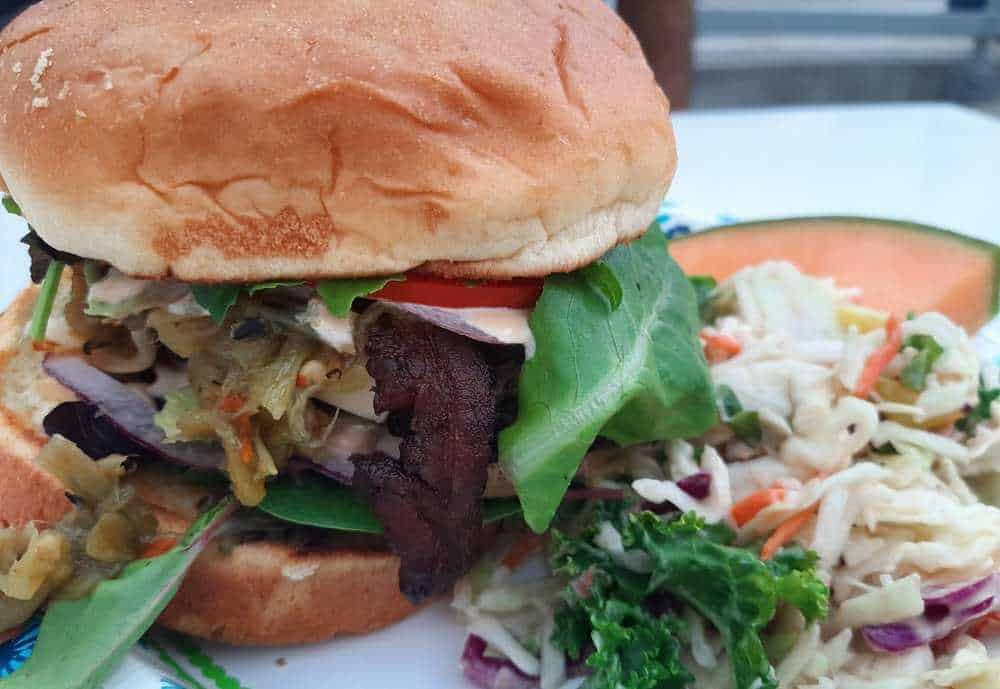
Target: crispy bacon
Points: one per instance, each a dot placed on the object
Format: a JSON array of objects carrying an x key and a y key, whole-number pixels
[{"x": 441, "y": 395}]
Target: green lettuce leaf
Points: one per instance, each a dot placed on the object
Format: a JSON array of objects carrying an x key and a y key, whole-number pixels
[
  {"x": 81, "y": 641},
  {"x": 216, "y": 299},
  {"x": 601, "y": 278},
  {"x": 314, "y": 501},
  {"x": 340, "y": 294},
  {"x": 633, "y": 375}
]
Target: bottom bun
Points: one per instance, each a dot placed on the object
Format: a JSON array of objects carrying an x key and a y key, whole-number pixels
[{"x": 258, "y": 593}]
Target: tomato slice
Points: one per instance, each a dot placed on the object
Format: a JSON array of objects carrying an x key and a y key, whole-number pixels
[{"x": 519, "y": 293}]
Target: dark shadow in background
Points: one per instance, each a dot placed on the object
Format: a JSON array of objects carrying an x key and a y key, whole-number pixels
[{"x": 9, "y": 10}]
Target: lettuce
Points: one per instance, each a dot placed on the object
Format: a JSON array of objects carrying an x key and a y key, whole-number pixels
[
  {"x": 216, "y": 299},
  {"x": 633, "y": 374},
  {"x": 634, "y": 617},
  {"x": 338, "y": 295},
  {"x": 81, "y": 641}
]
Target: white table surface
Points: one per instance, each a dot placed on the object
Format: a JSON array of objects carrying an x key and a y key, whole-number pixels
[{"x": 931, "y": 163}]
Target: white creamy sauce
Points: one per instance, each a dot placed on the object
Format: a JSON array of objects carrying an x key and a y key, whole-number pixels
[
  {"x": 116, "y": 287},
  {"x": 187, "y": 307},
  {"x": 334, "y": 331},
  {"x": 509, "y": 326},
  {"x": 360, "y": 402}
]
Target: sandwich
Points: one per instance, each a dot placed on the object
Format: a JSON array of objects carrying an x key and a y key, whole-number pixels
[
  {"x": 327, "y": 295},
  {"x": 341, "y": 307}
]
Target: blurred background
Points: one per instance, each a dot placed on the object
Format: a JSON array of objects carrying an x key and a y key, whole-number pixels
[
  {"x": 749, "y": 53},
  {"x": 746, "y": 53}
]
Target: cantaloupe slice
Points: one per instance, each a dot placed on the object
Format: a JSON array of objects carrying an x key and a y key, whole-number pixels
[{"x": 899, "y": 266}]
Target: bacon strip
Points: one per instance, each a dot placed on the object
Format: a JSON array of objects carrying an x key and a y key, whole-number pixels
[{"x": 441, "y": 396}]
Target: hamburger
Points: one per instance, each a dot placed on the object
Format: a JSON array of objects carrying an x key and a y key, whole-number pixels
[{"x": 360, "y": 282}]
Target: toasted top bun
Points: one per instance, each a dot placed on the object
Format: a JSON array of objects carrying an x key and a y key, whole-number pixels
[
  {"x": 257, "y": 593},
  {"x": 248, "y": 140}
]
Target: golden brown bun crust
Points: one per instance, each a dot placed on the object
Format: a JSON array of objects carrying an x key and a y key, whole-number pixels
[
  {"x": 259, "y": 593},
  {"x": 267, "y": 593},
  {"x": 244, "y": 140}
]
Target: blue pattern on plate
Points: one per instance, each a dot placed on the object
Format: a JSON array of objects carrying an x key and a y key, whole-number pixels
[
  {"x": 170, "y": 684},
  {"x": 15, "y": 652}
]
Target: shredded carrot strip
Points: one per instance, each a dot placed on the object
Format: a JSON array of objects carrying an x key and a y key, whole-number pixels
[
  {"x": 786, "y": 532},
  {"x": 719, "y": 347},
  {"x": 232, "y": 403},
  {"x": 748, "y": 508},
  {"x": 45, "y": 346},
  {"x": 880, "y": 358},
  {"x": 529, "y": 544},
  {"x": 301, "y": 381},
  {"x": 158, "y": 546},
  {"x": 245, "y": 432}
]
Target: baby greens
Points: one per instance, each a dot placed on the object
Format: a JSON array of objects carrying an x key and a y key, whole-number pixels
[
  {"x": 314, "y": 501},
  {"x": 80, "y": 641},
  {"x": 216, "y": 299},
  {"x": 635, "y": 373},
  {"x": 340, "y": 294}
]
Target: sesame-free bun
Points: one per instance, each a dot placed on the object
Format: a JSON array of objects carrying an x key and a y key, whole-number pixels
[
  {"x": 260, "y": 593},
  {"x": 242, "y": 140}
]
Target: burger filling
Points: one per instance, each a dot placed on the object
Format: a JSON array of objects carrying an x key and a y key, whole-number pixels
[{"x": 397, "y": 389}]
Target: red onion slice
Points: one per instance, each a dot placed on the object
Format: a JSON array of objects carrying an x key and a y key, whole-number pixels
[
  {"x": 130, "y": 413},
  {"x": 492, "y": 673},
  {"x": 945, "y": 610},
  {"x": 698, "y": 486}
]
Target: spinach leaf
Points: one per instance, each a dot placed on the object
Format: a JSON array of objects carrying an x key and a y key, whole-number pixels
[
  {"x": 261, "y": 286},
  {"x": 340, "y": 294},
  {"x": 81, "y": 641},
  {"x": 980, "y": 412},
  {"x": 634, "y": 375},
  {"x": 216, "y": 299},
  {"x": 705, "y": 290},
  {"x": 46, "y": 298},
  {"x": 914, "y": 375},
  {"x": 601, "y": 278},
  {"x": 315, "y": 501}
]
